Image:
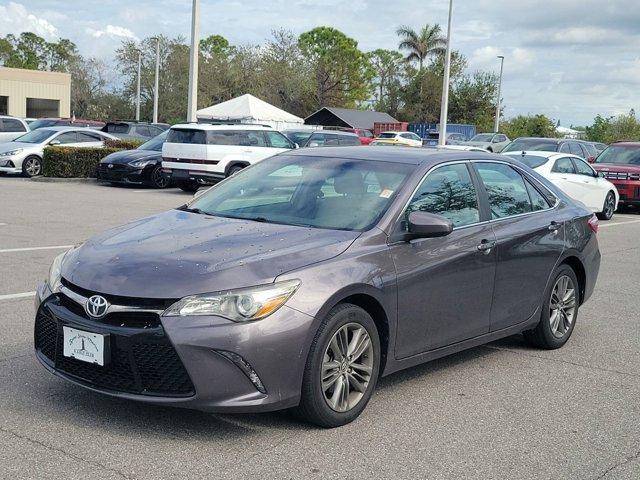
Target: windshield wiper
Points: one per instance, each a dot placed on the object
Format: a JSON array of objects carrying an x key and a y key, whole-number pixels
[{"x": 184, "y": 208}]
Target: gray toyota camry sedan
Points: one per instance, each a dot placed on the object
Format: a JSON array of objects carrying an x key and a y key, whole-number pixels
[{"x": 301, "y": 280}]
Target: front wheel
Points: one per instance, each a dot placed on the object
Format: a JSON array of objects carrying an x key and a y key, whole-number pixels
[
  {"x": 342, "y": 368},
  {"x": 559, "y": 311},
  {"x": 608, "y": 208},
  {"x": 157, "y": 179},
  {"x": 32, "y": 166}
]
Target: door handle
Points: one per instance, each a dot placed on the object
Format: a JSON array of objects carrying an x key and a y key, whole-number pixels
[
  {"x": 486, "y": 246},
  {"x": 554, "y": 226}
]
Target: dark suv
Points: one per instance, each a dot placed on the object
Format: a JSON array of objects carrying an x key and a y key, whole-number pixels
[
  {"x": 65, "y": 122},
  {"x": 135, "y": 130},
  {"x": 561, "y": 145},
  {"x": 620, "y": 164}
]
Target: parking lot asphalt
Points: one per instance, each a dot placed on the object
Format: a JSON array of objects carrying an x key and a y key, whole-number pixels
[{"x": 499, "y": 411}]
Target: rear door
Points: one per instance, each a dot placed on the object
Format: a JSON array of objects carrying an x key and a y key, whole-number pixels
[
  {"x": 529, "y": 241},
  {"x": 89, "y": 139},
  {"x": 588, "y": 183},
  {"x": 563, "y": 174}
]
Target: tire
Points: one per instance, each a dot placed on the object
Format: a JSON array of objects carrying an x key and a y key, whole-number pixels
[
  {"x": 235, "y": 169},
  {"x": 545, "y": 335},
  {"x": 32, "y": 166},
  {"x": 189, "y": 187},
  {"x": 157, "y": 179},
  {"x": 608, "y": 208},
  {"x": 350, "y": 320}
]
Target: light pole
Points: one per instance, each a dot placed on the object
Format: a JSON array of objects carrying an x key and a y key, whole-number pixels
[
  {"x": 192, "y": 103},
  {"x": 138, "y": 87},
  {"x": 157, "y": 81},
  {"x": 497, "y": 124},
  {"x": 444, "y": 107}
]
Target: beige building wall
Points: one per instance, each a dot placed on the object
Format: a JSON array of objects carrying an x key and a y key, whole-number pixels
[{"x": 18, "y": 85}]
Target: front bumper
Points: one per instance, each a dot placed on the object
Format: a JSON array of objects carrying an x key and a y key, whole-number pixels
[
  {"x": 182, "y": 361},
  {"x": 629, "y": 191},
  {"x": 10, "y": 165},
  {"x": 123, "y": 173}
]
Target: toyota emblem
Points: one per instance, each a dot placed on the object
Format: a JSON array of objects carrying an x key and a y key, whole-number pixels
[{"x": 97, "y": 306}]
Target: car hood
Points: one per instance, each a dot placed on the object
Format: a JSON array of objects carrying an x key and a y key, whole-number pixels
[
  {"x": 179, "y": 253},
  {"x": 8, "y": 146},
  {"x": 126, "y": 156},
  {"x": 613, "y": 167}
]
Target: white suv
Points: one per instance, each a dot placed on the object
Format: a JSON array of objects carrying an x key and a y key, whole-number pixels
[{"x": 199, "y": 154}]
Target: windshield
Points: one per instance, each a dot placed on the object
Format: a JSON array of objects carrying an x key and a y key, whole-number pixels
[
  {"x": 387, "y": 135},
  {"x": 527, "y": 144},
  {"x": 619, "y": 155},
  {"x": 155, "y": 144},
  {"x": 482, "y": 137},
  {"x": 532, "y": 161},
  {"x": 298, "y": 137},
  {"x": 37, "y": 136},
  {"x": 42, "y": 123},
  {"x": 320, "y": 192}
]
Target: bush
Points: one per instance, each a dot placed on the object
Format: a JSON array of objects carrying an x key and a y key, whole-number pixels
[
  {"x": 73, "y": 162},
  {"x": 120, "y": 144}
]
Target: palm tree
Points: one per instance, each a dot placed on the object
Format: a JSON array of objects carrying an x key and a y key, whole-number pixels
[{"x": 421, "y": 45}]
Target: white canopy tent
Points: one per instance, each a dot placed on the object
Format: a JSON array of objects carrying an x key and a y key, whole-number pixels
[{"x": 249, "y": 109}]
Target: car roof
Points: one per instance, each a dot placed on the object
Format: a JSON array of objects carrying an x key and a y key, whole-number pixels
[
  {"x": 540, "y": 153},
  {"x": 413, "y": 156},
  {"x": 626, "y": 144},
  {"x": 212, "y": 126}
]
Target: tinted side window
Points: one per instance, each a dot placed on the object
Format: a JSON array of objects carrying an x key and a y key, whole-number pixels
[
  {"x": 12, "y": 125},
  {"x": 538, "y": 201},
  {"x": 67, "y": 137},
  {"x": 563, "y": 165},
  {"x": 143, "y": 130},
  {"x": 88, "y": 137},
  {"x": 564, "y": 148},
  {"x": 508, "y": 194},
  {"x": 575, "y": 149},
  {"x": 349, "y": 140},
  {"x": 187, "y": 135},
  {"x": 500, "y": 138},
  {"x": 448, "y": 191},
  {"x": 277, "y": 140},
  {"x": 582, "y": 168}
]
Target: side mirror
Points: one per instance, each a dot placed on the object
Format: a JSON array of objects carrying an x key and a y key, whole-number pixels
[
  {"x": 54, "y": 142},
  {"x": 295, "y": 145},
  {"x": 428, "y": 225}
]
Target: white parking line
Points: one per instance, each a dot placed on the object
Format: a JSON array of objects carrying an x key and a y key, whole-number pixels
[
  {"x": 2, "y": 224},
  {"x": 603, "y": 225},
  {"x": 17, "y": 295},
  {"x": 29, "y": 249}
]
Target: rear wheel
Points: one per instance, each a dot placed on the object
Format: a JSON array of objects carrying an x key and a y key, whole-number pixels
[
  {"x": 342, "y": 368},
  {"x": 189, "y": 187},
  {"x": 559, "y": 311},
  {"x": 608, "y": 207},
  {"x": 157, "y": 179},
  {"x": 32, "y": 166}
]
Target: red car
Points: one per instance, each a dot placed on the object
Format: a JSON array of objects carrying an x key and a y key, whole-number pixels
[
  {"x": 365, "y": 136},
  {"x": 620, "y": 164}
]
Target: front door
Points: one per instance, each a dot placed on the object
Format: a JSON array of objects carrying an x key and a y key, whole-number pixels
[
  {"x": 530, "y": 240},
  {"x": 445, "y": 285}
]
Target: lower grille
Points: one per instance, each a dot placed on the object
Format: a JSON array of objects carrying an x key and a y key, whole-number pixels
[{"x": 142, "y": 361}]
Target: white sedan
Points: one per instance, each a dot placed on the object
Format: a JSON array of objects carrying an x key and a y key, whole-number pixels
[
  {"x": 576, "y": 178},
  {"x": 402, "y": 138},
  {"x": 24, "y": 154}
]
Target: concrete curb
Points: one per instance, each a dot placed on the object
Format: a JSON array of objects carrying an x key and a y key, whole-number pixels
[{"x": 63, "y": 180}]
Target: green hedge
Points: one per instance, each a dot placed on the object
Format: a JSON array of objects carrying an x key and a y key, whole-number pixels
[
  {"x": 73, "y": 162},
  {"x": 128, "y": 144}
]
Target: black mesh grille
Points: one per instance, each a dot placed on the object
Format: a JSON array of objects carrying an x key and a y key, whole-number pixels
[{"x": 141, "y": 360}]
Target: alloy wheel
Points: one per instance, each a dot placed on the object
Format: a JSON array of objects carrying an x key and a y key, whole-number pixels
[
  {"x": 32, "y": 166},
  {"x": 158, "y": 179},
  {"x": 609, "y": 205},
  {"x": 562, "y": 306},
  {"x": 346, "y": 367}
]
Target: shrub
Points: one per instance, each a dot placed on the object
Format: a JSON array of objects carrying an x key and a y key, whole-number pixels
[
  {"x": 73, "y": 162},
  {"x": 128, "y": 144}
]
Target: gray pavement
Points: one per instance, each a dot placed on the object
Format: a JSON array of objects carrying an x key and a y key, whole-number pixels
[{"x": 499, "y": 411}]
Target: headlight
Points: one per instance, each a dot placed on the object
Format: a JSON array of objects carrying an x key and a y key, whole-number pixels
[
  {"x": 240, "y": 305},
  {"x": 12, "y": 152},
  {"x": 140, "y": 163},
  {"x": 55, "y": 273}
]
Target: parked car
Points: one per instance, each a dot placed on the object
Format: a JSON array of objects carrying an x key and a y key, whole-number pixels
[
  {"x": 560, "y": 145},
  {"x": 11, "y": 128},
  {"x": 576, "y": 178},
  {"x": 620, "y": 163},
  {"x": 599, "y": 146},
  {"x": 140, "y": 166},
  {"x": 301, "y": 280},
  {"x": 454, "y": 138},
  {"x": 134, "y": 130},
  {"x": 298, "y": 136},
  {"x": 407, "y": 138},
  {"x": 24, "y": 154},
  {"x": 492, "y": 142},
  {"x": 200, "y": 154},
  {"x": 432, "y": 137},
  {"x": 365, "y": 136},
  {"x": 332, "y": 138},
  {"x": 65, "y": 122}
]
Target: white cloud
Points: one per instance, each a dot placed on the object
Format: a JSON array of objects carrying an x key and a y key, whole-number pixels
[
  {"x": 112, "y": 31},
  {"x": 14, "y": 18}
]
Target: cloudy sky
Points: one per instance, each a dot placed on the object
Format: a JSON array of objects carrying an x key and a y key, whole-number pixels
[{"x": 569, "y": 59}]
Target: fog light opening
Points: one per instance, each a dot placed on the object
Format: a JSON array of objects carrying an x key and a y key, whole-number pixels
[{"x": 246, "y": 368}]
